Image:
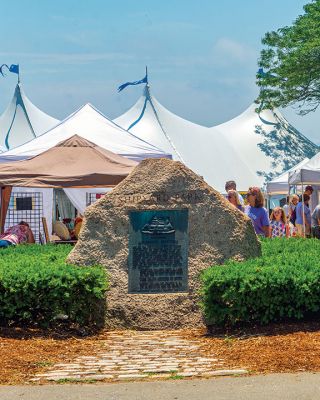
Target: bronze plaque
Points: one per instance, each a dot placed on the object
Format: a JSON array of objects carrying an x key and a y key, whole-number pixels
[{"x": 158, "y": 251}]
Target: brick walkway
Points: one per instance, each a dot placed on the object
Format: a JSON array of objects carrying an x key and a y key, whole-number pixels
[{"x": 140, "y": 355}]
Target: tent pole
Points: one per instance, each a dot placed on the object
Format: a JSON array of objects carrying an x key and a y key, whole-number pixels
[
  {"x": 288, "y": 209},
  {"x": 303, "y": 216},
  {"x": 5, "y": 199}
]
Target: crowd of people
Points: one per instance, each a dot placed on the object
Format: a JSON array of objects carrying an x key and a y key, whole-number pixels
[{"x": 294, "y": 219}]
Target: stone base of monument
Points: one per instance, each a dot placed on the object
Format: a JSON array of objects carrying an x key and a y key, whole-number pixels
[{"x": 155, "y": 232}]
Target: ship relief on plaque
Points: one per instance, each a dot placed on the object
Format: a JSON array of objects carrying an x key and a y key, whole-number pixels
[{"x": 158, "y": 251}]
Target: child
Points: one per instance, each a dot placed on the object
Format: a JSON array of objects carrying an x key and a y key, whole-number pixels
[{"x": 278, "y": 223}]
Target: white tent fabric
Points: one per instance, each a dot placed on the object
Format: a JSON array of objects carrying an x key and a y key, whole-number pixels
[
  {"x": 92, "y": 125},
  {"x": 22, "y": 121},
  {"x": 149, "y": 120},
  {"x": 309, "y": 173},
  {"x": 266, "y": 142},
  {"x": 200, "y": 148},
  {"x": 248, "y": 149},
  {"x": 280, "y": 184},
  {"x": 78, "y": 196}
]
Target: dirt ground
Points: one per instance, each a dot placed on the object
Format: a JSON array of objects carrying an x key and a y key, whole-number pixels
[{"x": 276, "y": 348}]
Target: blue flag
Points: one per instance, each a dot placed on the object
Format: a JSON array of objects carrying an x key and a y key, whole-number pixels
[
  {"x": 14, "y": 68},
  {"x": 3, "y": 65},
  {"x": 124, "y": 85},
  {"x": 261, "y": 73}
]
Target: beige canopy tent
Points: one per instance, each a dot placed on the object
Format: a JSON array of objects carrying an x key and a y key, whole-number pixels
[{"x": 73, "y": 163}]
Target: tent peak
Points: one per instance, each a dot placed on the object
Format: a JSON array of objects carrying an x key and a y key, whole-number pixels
[
  {"x": 22, "y": 121},
  {"x": 88, "y": 107},
  {"x": 76, "y": 141},
  {"x": 267, "y": 116},
  {"x": 65, "y": 166}
]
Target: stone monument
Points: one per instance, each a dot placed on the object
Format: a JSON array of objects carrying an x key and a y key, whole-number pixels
[{"x": 155, "y": 232}]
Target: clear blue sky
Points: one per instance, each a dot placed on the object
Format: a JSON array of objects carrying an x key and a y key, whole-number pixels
[{"x": 202, "y": 55}]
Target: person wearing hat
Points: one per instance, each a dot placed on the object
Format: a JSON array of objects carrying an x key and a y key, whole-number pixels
[{"x": 256, "y": 212}]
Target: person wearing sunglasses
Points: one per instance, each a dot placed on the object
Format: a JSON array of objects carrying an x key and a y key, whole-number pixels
[
  {"x": 234, "y": 199},
  {"x": 256, "y": 212}
]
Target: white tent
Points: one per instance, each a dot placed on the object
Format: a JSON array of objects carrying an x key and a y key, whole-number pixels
[
  {"x": 266, "y": 142},
  {"x": 248, "y": 149},
  {"x": 22, "y": 121},
  {"x": 308, "y": 173},
  {"x": 200, "y": 148},
  {"x": 94, "y": 126},
  {"x": 89, "y": 123},
  {"x": 280, "y": 184}
]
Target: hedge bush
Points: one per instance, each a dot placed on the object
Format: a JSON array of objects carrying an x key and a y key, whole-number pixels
[
  {"x": 283, "y": 283},
  {"x": 36, "y": 286}
]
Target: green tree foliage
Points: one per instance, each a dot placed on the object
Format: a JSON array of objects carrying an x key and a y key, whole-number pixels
[{"x": 291, "y": 61}]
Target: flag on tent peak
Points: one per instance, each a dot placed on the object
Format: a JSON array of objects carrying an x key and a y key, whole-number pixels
[
  {"x": 124, "y": 85},
  {"x": 14, "y": 68}
]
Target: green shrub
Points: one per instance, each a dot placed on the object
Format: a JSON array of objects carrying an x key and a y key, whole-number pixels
[
  {"x": 36, "y": 286},
  {"x": 283, "y": 283}
]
